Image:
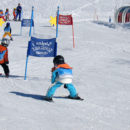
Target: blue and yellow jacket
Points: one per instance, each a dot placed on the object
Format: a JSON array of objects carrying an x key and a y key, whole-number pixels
[{"x": 7, "y": 29}]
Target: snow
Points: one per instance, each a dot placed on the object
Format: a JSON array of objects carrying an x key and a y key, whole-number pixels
[{"x": 100, "y": 61}]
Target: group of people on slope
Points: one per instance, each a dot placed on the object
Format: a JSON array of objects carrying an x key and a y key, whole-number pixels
[
  {"x": 5, "y": 41},
  {"x": 3, "y": 49},
  {"x": 61, "y": 72},
  {"x": 17, "y": 12}
]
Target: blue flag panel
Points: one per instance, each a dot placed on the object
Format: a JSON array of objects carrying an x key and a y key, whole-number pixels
[
  {"x": 27, "y": 23},
  {"x": 42, "y": 47}
]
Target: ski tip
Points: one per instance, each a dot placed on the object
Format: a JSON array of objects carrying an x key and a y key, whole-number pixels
[
  {"x": 80, "y": 99},
  {"x": 76, "y": 98}
]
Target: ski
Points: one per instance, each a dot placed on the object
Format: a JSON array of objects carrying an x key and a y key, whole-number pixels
[
  {"x": 46, "y": 99},
  {"x": 79, "y": 98},
  {"x": 68, "y": 97},
  {"x": 61, "y": 97}
]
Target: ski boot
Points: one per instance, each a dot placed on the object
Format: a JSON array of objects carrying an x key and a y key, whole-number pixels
[
  {"x": 49, "y": 99},
  {"x": 11, "y": 39},
  {"x": 7, "y": 75}
]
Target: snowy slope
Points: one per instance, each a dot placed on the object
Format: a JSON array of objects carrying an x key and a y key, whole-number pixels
[{"x": 100, "y": 61}]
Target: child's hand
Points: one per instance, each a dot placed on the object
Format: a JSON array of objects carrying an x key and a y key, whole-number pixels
[
  {"x": 7, "y": 62},
  {"x": 53, "y": 69}
]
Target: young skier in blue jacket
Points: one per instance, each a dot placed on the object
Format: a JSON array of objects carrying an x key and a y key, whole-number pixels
[
  {"x": 61, "y": 75},
  {"x": 7, "y": 31}
]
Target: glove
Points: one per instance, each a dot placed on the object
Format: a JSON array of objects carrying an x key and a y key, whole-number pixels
[
  {"x": 65, "y": 86},
  {"x": 53, "y": 69},
  {"x": 7, "y": 62}
]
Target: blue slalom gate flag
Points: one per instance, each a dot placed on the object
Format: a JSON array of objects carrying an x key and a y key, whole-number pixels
[
  {"x": 27, "y": 23},
  {"x": 42, "y": 47}
]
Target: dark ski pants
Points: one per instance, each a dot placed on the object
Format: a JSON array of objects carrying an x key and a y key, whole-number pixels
[
  {"x": 18, "y": 14},
  {"x": 5, "y": 68}
]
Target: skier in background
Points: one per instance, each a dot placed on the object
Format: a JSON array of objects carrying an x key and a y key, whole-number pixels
[
  {"x": 2, "y": 15},
  {"x": 14, "y": 13},
  {"x": 4, "y": 56},
  {"x": 19, "y": 11},
  {"x": 7, "y": 14},
  {"x": 7, "y": 31},
  {"x": 61, "y": 75},
  {"x": 109, "y": 19}
]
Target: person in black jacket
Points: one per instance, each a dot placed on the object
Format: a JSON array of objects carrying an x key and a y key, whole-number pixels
[{"x": 19, "y": 11}]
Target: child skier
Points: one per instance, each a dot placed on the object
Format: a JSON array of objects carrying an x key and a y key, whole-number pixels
[
  {"x": 7, "y": 14},
  {"x": 14, "y": 14},
  {"x": 61, "y": 75},
  {"x": 7, "y": 31},
  {"x": 2, "y": 15},
  {"x": 4, "y": 56}
]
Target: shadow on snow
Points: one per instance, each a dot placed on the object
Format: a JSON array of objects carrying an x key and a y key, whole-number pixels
[
  {"x": 34, "y": 96},
  {"x": 12, "y": 76}
]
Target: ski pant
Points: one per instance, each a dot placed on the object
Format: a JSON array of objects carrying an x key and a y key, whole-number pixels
[
  {"x": 14, "y": 17},
  {"x": 70, "y": 88},
  {"x": 5, "y": 68},
  {"x": 7, "y": 33},
  {"x": 18, "y": 14}
]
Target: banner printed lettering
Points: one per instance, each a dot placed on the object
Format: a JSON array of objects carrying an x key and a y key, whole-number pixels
[
  {"x": 65, "y": 20},
  {"x": 27, "y": 23},
  {"x": 42, "y": 47}
]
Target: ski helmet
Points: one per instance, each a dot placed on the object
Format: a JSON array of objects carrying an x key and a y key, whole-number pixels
[
  {"x": 58, "y": 60},
  {"x": 7, "y": 24},
  {"x": 5, "y": 42}
]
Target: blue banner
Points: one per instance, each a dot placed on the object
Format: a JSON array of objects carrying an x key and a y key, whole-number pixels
[
  {"x": 27, "y": 23},
  {"x": 42, "y": 47}
]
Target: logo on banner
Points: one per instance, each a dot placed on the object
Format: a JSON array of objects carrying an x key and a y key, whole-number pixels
[
  {"x": 27, "y": 23},
  {"x": 42, "y": 47},
  {"x": 65, "y": 20}
]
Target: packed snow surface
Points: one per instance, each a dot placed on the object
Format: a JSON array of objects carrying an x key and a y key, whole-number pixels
[{"x": 101, "y": 70}]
